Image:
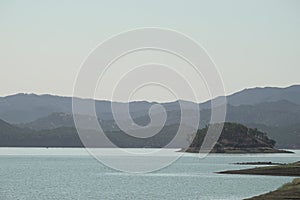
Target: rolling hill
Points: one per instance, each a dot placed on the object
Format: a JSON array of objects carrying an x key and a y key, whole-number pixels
[{"x": 272, "y": 110}]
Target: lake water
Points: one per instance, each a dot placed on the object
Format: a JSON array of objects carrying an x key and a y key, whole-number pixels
[{"x": 40, "y": 174}]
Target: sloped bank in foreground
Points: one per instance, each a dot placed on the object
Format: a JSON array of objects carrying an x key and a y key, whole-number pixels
[{"x": 287, "y": 191}]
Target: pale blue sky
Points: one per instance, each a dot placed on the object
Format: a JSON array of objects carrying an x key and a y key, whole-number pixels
[{"x": 253, "y": 42}]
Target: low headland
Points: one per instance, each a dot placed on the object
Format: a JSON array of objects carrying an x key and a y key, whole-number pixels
[
  {"x": 258, "y": 163},
  {"x": 292, "y": 169}
]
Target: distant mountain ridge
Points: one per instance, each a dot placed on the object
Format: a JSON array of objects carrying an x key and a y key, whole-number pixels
[
  {"x": 252, "y": 96},
  {"x": 24, "y": 108},
  {"x": 266, "y": 94}
]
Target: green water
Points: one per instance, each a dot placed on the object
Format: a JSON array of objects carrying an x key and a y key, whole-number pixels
[{"x": 40, "y": 174}]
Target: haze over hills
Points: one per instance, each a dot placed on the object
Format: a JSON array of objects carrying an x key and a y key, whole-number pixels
[
  {"x": 12, "y": 136},
  {"x": 280, "y": 113},
  {"x": 235, "y": 138},
  {"x": 274, "y": 110}
]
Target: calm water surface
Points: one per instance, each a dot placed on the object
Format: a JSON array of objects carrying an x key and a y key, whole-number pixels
[{"x": 40, "y": 174}]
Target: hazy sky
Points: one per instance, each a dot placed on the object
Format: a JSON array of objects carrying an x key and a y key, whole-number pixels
[{"x": 43, "y": 43}]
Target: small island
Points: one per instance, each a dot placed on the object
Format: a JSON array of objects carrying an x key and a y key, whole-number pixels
[{"x": 236, "y": 138}]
